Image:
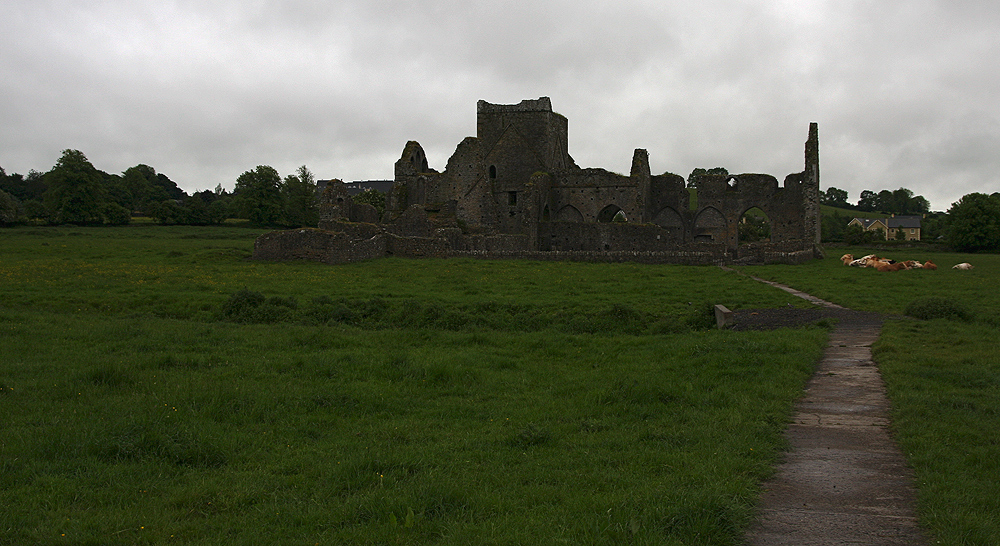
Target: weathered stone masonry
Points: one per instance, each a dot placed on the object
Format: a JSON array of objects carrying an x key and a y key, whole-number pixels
[{"x": 513, "y": 191}]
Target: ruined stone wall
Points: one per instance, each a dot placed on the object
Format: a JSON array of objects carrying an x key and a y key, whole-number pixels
[
  {"x": 810, "y": 186},
  {"x": 513, "y": 190},
  {"x": 724, "y": 199},
  {"x": 342, "y": 247},
  {"x": 543, "y": 131},
  {"x": 594, "y": 237},
  {"x": 702, "y": 255},
  {"x": 318, "y": 245},
  {"x": 468, "y": 185},
  {"x": 668, "y": 206},
  {"x": 336, "y": 205},
  {"x": 786, "y": 252},
  {"x": 591, "y": 191}
]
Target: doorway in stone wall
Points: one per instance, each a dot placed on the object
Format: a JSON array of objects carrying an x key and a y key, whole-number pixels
[{"x": 754, "y": 227}]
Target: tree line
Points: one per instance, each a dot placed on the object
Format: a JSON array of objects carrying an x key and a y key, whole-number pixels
[
  {"x": 971, "y": 224},
  {"x": 75, "y": 192},
  {"x": 901, "y": 201}
]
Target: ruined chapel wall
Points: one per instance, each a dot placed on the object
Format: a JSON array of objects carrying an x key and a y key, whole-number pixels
[
  {"x": 467, "y": 183},
  {"x": 604, "y": 237},
  {"x": 668, "y": 198},
  {"x": 592, "y": 190}
]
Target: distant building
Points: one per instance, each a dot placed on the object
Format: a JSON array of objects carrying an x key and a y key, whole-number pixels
[
  {"x": 354, "y": 188},
  {"x": 909, "y": 225}
]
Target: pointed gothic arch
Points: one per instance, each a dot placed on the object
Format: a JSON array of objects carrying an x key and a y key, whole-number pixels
[{"x": 569, "y": 213}]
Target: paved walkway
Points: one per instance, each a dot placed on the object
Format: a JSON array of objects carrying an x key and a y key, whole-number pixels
[{"x": 844, "y": 479}]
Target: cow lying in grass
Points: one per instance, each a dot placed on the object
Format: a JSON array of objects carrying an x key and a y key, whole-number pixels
[{"x": 886, "y": 265}]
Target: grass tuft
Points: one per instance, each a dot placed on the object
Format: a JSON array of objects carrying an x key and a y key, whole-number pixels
[{"x": 930, "y": 308}]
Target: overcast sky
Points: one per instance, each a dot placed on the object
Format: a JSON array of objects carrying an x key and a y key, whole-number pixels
[{"x": 905, "y": 93}]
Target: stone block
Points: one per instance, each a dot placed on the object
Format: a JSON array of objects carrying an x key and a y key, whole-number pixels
[{"x": 723, "y": 316}]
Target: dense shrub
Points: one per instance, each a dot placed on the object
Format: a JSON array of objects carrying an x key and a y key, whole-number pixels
[
  {"x": 936, "y": 307},
  {"x": 242, "y": 306}
]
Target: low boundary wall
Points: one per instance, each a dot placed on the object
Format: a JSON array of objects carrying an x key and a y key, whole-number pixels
[{"x": 335, "y": 247}]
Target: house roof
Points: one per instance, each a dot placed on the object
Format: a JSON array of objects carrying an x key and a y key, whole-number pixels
[
  {"x": 895, "y": 222},
  {"x": 867, "y": 223},
  {"x": 905, "y": 222}
]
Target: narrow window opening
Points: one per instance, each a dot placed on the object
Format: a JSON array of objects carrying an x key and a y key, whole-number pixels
[{"x": 512, "y": 198}]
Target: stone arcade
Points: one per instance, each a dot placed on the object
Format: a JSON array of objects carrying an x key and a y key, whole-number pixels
[{"x": 513, "y": 191}]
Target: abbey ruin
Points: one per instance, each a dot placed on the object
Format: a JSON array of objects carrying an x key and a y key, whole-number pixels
[{"x": 513, "y": 191}]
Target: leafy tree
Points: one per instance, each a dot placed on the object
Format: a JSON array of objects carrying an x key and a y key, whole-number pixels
[
  {"x": 10, "y": 209},
  {"x": 75, "y": 193},
  {"x": 919, "y": 205},
  {"x": 932, "y": 227},
  {"x": 115, "y": 214},
  {"x": 299, "y": 195},
  {"x": 868, "y": 201},
  {"x": 374, "y": 198},
  {"x": 257, "y": 196},
  {"x": 900, "y": 201},
  {"x": 974, "y": 223},
  {"x": 34, "y": 186},
  {"x": 23, "y": 188},
  {"x": 832, "y": 227},
  {"x": 206, "y": 208},
  {"x": 168, "y": 212},
  {"x": 884, "y": 201},
  {"x": 13, "y": 184},
  {"x": 35, "y": 209},
  {"x": 200, "y": 209},
  {"x": 856, "y": 235},
  {"x": 144, "y": 187},
  {"x": 834, "y": 197},
  {"x": 753, "y": 227},
  {"x": 168, "y": 185}
]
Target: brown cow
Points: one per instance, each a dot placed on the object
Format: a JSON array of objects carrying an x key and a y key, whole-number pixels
[
  {"x": 930, "y": 265},
  {"x": 886, "y": 266}
]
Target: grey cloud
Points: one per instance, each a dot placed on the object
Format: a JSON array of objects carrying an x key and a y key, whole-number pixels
[{"x": 202, "y": 91}]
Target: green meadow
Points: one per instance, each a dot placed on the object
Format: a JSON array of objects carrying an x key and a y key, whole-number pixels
[
  {"x": 158, "y": 387},
  {"x": 942, "y": 375}
]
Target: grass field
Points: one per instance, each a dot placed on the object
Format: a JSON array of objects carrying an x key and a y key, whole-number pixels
[
  {"x": 159, "y": 388},
  {"x": 413, "y": 402},
  {"x": 943, "y": 379}
]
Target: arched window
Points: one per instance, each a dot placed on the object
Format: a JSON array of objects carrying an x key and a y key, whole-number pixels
[
  {"x": 609, "y": 213},
  {"x": 493, "y": 172}
]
